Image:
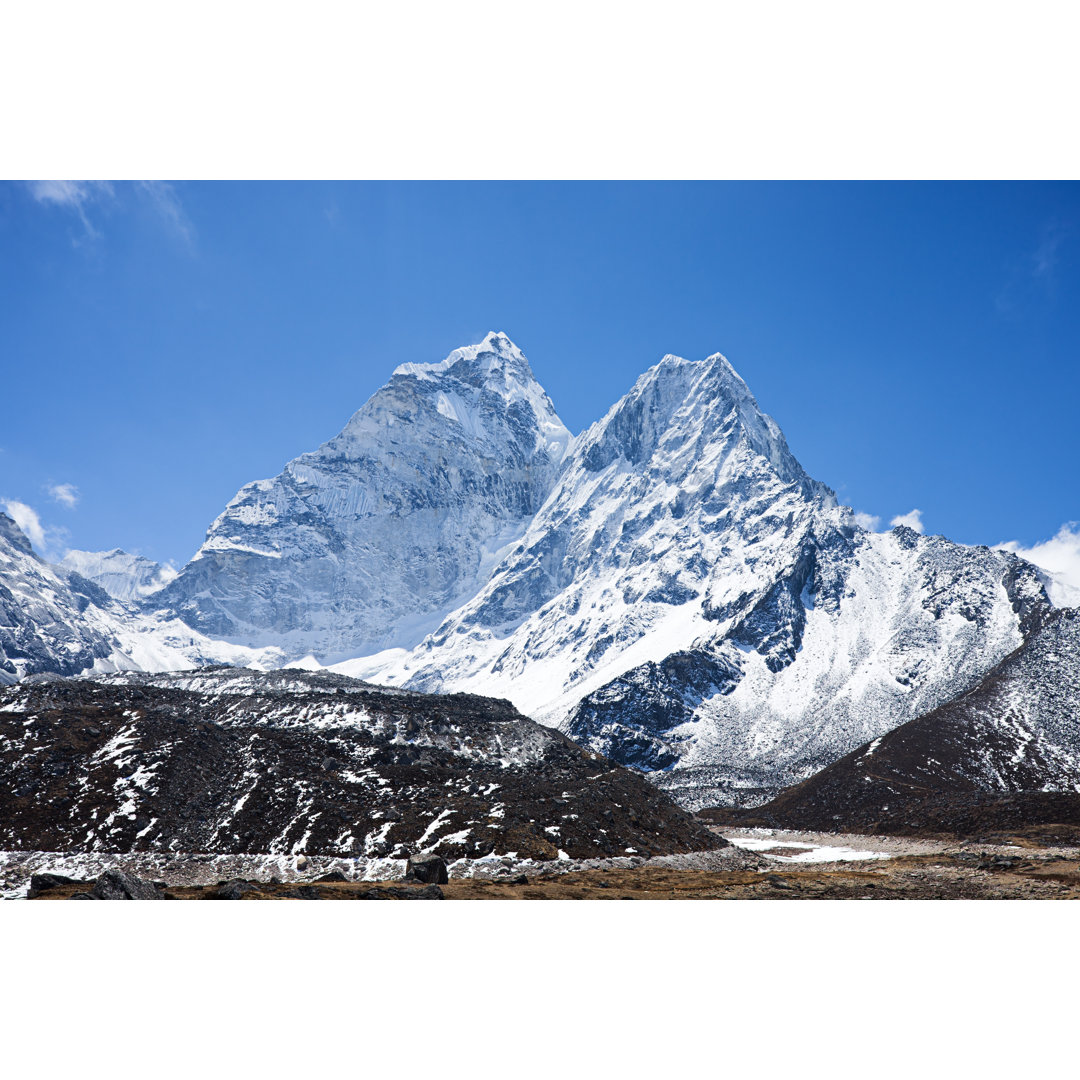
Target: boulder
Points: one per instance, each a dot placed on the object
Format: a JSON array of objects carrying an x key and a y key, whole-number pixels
[
  {"x": 303, "y": 892},
  {"x": 117, "y": 885},
  {"x": 428, "y": 869},
  {"x": 40, "y": 883}
]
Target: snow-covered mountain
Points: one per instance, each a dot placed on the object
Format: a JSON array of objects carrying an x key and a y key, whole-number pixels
[
  {"x": 122, "y": 576},
  {"x": 42, "y": 609},
  {"x": 369, "y": 541},
  {"x": 53, "y": 619},
  {"x": 688, "y": 599},
  {"x": 669, "y": 587}
]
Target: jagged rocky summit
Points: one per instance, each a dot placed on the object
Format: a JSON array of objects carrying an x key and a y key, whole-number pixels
[
  {"x": 369, "y": 541},
  {"x": 121, "y": 575}
]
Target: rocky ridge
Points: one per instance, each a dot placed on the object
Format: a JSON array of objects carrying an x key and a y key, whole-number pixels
[
  {"x": 1004, "y": 755},
  {"x": 121, "y": 575}
]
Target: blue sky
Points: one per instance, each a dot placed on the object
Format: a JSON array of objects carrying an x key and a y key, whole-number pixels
[{"x": 161, "y": 345}]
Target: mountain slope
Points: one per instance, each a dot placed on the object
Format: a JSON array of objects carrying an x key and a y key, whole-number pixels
[
  {"x": 689, "y": 600},
  {"x": 622, "y": 553},
  {"x": 368, "y": 542},
  {"x": 1006, "y": 746},
  {"x": 229, "y": 761},
  {"x": 52, "y": 619},
  {"x": 42, "y": 624}
]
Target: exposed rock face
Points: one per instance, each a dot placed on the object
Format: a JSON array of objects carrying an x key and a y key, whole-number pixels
[
  {"x": 117, "y": 885},
  {"x": 430, "y": 892},
  {"x": 225, "y": 760},
  {"x": 42, "y": 883},
  {"x": 367, "y": 542},
  {"x": 689, "y": 602},
  {"x": 1007, "y": 752}
]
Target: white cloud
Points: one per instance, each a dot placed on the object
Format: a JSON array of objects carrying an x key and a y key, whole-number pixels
[
  {"x": 27, "y": 520},
  {"x": 65, "y": 494},
  {"x": 78, "y": 195},
  {"x": 1044, "y": 259},
  {"x": 162, "y": 196},
  {"x": 48, "y": 540},
  {"x": 69, "y": 192},
  {"x": 72, "y": 194},
  {"x": 870, "y": 522},
  {"x": 1060, "y": 558},
  {"x": 912, "y": 519}
]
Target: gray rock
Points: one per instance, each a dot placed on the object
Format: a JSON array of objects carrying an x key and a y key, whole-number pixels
[
  {"x": 40, "y": 883},
  {"x": 428, "y": 869},
  {"x": 304, "y": 892},
  {"x": 117, "y": 885}
]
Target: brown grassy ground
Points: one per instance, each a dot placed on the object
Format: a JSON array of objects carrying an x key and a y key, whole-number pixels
[{"x": 1030, "y": 875}]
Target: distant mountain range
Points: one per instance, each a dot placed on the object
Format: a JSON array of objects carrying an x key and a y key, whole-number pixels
[
  {"x": 669, "y": 587},
  {"x": 122, "y": 576}
]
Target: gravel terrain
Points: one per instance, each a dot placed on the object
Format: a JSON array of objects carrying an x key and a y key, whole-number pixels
[{"x": 895, "y": 868}]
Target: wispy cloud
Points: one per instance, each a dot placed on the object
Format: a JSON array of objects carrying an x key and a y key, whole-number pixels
[
  {"x": 72, "y": 195},
  {"x": 1060, "y": 558},
  {"x": 870, "y": 522},
  {"x": 1044, "y": 259},
  {"x": 48, "y": 540},
  {"x": 162, "y": 196},
  {"x": 912, "y": 519},
  {"x": 1034, "y": 275},
  {"x": 26, "y": 518},
  {"x": 65, "y": 494},
  {"x": 80, "y": 196}
]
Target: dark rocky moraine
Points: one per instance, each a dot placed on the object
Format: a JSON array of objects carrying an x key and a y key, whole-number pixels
[{"x": 231, "y": 761}]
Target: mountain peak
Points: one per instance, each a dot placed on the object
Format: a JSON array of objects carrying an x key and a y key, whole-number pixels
[
  {"x": 370, "y": 540},
  {"x": 495, "y": 353}
]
